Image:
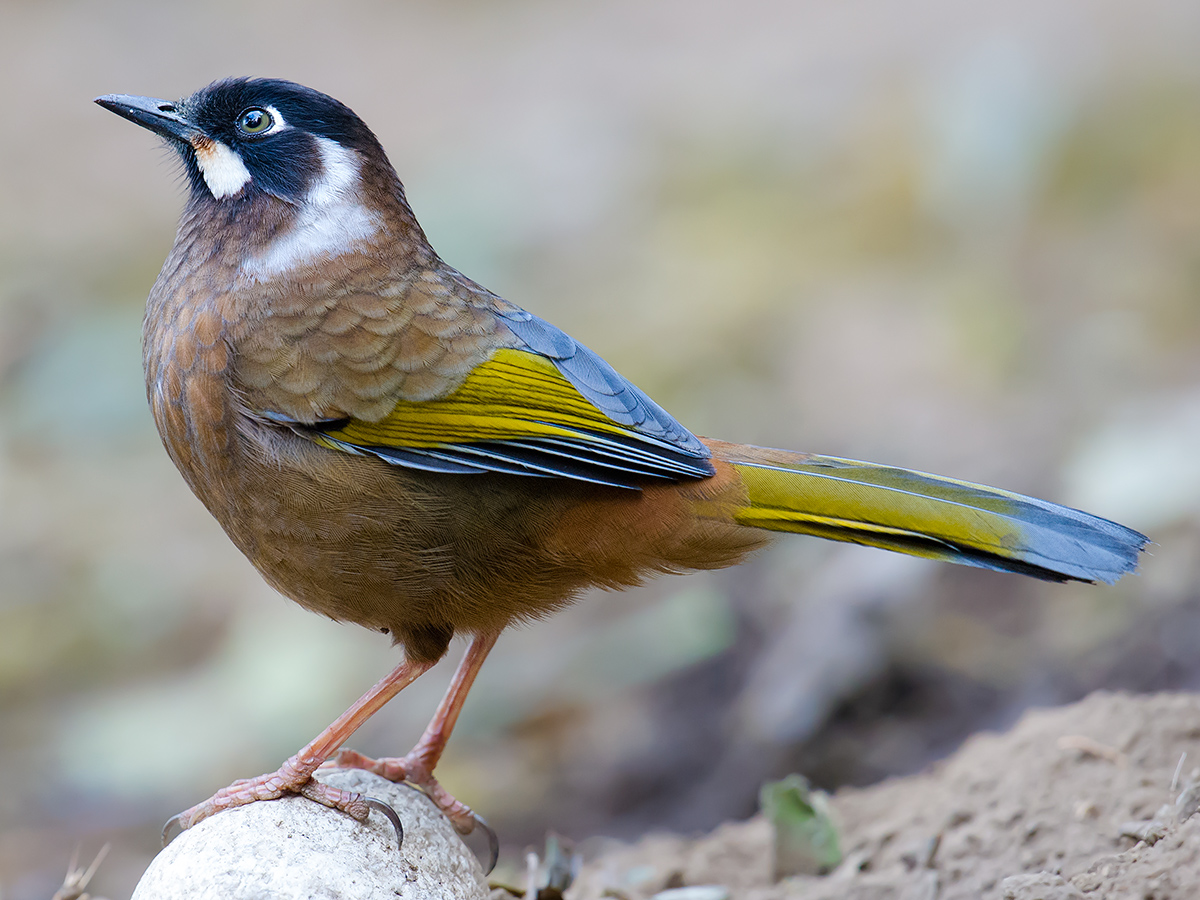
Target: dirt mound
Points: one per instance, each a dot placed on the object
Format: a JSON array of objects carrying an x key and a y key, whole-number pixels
[{"x": 1090, "y": 800}]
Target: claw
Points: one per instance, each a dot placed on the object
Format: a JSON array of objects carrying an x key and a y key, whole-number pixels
[
  {"x": 493, "y": 842},
  {"x": 169, "y": 832},
  {"x": 477, "y": 821},
  {"x": 391, "y": 817}
]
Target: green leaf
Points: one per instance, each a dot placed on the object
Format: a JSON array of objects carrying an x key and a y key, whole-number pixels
[{"x": 805, "y": 837}]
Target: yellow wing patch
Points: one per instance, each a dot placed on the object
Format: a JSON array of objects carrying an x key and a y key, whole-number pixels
[
  {"x": 513, "y": 396},
  {"x": 515, "y": 414}
]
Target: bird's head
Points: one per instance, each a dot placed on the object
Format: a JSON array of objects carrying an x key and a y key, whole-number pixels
[
  {"x": 292, "y": 174},
  {"x": 242, "y": 136}
]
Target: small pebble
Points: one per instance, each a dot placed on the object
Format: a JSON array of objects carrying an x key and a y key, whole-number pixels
[
  {"x": 694, "y": 892},
  {"x": 1150, "y": 832}
]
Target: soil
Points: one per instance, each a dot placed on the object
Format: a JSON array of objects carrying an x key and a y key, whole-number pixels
[{"x": 1092, "y": 800}]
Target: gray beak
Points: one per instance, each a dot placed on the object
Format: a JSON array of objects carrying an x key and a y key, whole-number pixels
[{"x": 160, "y": 116}]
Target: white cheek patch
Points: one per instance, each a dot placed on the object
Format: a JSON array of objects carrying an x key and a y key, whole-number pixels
[
  {"x": 331, "y": 219},
  {"x": 223, "y": 170}
]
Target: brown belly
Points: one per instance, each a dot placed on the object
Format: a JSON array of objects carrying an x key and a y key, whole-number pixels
[
  {"x": 419, "y": 554},
  {"x": 425, "y": 555}
]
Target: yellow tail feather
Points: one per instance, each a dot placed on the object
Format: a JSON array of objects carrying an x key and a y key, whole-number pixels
[{"x": 927, "y": 515}]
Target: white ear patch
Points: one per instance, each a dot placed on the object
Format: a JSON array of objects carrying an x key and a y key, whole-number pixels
[
  {"x": 277, "y": 119},
  {"x": 223, "y": 170},
  {"x": 331, "y": 220}
]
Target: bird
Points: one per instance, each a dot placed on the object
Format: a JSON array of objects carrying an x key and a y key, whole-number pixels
[{"x": 391, "y": 444}]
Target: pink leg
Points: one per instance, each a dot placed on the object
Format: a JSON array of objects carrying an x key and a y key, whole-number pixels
[
  {"x": 417, "y": 767},
  {"x": 295, "y": 775}
]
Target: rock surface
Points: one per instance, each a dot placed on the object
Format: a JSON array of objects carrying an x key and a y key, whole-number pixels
[{"x": 294, "y": 848}]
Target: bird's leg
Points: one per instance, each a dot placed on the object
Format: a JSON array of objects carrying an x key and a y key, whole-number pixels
[
  {"x": 295, "y": 775},
  {"x": 417, "y": 767}
]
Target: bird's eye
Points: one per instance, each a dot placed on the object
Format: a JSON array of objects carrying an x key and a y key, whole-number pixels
[{"x": 254, "y": 121}]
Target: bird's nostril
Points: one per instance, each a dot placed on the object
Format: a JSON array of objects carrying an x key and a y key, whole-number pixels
[{"x": 166, "y": 107}]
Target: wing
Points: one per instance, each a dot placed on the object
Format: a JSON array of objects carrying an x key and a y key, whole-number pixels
[
  {"x": 520, "y": 413},
  {"x": 434, "y": 372},
  {"x": 599, "y": 382}
]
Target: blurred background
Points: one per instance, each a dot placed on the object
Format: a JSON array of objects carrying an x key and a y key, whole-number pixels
[{"x": 957, "y": 237}]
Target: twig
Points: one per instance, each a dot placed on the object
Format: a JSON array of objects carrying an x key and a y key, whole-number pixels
[
  {"x": 76, "y": 882},
  {"x": 1178, "y": 769}
]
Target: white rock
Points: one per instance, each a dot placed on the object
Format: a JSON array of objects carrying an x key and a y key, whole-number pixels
[{"x": 295, "y": 848}]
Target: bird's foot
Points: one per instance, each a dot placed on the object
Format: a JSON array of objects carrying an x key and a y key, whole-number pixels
[
  {"x": 293, "y": 777},
  {"x": 414, "y": 770}
]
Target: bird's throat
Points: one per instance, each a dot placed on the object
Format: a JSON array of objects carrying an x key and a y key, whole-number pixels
[{"x": 331, "y": 221}]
